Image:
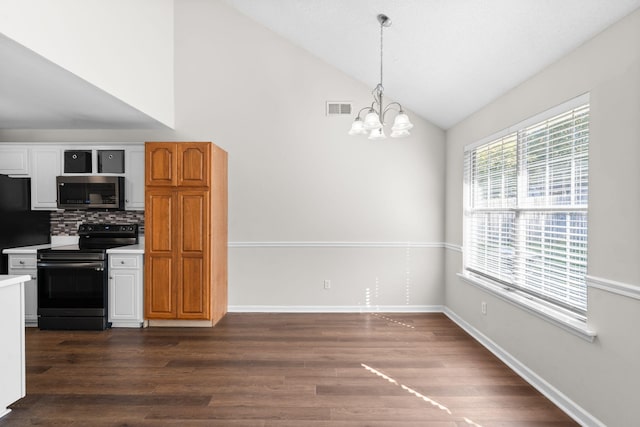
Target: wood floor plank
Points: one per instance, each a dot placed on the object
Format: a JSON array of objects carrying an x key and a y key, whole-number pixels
[{"x": 265, "y": 370}]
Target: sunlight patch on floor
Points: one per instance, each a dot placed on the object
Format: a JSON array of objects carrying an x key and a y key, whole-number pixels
[
  {"x": 415, "y": 393},
  {"x": 397, "y": 322}
]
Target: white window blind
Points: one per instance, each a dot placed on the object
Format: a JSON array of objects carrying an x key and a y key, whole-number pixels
[{"x": 526, "y": 208}]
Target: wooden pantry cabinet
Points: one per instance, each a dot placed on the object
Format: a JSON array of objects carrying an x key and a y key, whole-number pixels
[{"x": 185, "y": 232}]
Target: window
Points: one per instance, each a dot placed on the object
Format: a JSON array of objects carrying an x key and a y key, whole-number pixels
[{"x": 526, "y": 194}]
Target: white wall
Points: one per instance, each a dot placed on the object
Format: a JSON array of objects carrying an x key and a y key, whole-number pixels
[
  {"x": 139, "y": 73},
  {"x": 601, "y": 377},
  {"x": 296, "y": 176}
]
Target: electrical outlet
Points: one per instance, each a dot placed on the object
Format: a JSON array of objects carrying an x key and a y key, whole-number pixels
[
  {"x": 483, "y": 307},
  {"x": 327, "y": 284}
]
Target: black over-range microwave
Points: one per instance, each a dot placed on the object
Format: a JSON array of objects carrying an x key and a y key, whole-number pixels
[{"x": 90, "y": 192}]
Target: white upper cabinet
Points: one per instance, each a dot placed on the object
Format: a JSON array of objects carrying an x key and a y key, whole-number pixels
[
  {"x": 44, "y": 162},
  {"x": 46, "y": 166},
  {"x": 14, "y": 160},
  {"x": 134, "y": 178}
]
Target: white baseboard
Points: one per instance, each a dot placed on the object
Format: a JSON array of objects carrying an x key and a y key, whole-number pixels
[
  {"x": 335, "y": 309},
  {"x": 558, "y": 398}
]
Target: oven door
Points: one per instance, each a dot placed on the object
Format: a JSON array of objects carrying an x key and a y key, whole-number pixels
[{"x": 72, "y": 294}]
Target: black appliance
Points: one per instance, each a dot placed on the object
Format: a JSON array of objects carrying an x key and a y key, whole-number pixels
[
  {"x": 90, "y": 192},
  {"x": 72, "y": 279},
  {"x": 19, "y": 225}
]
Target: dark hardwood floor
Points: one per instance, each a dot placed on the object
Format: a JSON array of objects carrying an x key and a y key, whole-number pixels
[{"x": 276, "y": 370}]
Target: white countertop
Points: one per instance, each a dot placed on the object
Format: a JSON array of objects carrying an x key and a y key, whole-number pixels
[
  {"x": 131, "y": 249},
  {"x": 26, "y": 249},
  {"x": 32, "y": 250},
  {"x": 9, "y": 280}
]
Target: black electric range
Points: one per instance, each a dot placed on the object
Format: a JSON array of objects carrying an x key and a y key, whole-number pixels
[{"x": 72, "y": 279}]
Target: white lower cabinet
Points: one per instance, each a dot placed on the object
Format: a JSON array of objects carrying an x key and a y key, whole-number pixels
[
  {"x": 125, "y": 291},
  {"x": 26, "y": 264},
  {"x": 12, "y": 357}
]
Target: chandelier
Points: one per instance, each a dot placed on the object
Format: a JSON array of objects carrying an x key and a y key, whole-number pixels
[{"x": 373, "y": 122}]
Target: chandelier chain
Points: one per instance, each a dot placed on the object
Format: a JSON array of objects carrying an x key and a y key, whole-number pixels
[{"x": 381, "y": 51}]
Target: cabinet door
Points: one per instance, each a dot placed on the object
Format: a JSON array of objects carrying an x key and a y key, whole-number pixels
[
  {"x": 123, "y": 295},
  {"x": 25, "y": 264},
  {"x": 134, "y": 178},
  {"x": 46, "y": 166},
  {"x": 193, "y": 164},
  {"x": 159, "y": 277},
  {"x": 14, "y": 161},
  {"x": 194, "y": 297},
  {"x": 125, "y": 290},
  {"x": 161, "y": 164}
]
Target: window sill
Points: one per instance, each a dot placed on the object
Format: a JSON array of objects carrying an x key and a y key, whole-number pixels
[{"x": 557, "y": 317}]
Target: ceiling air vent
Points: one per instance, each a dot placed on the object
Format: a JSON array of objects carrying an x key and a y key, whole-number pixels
[{"x": 335, "y": 108}]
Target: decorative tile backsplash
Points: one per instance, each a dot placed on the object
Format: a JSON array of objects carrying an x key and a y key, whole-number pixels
[{"x": 65, "y": 223}]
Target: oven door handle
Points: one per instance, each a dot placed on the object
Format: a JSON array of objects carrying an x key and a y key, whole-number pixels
[{"x": 98, "y": 266}]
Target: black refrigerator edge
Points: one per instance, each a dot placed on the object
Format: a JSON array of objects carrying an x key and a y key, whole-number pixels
[{"x": 19, "y": 225}]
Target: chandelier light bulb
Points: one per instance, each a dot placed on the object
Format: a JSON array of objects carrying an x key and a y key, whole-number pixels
[
  {"x": 372, "y": 121},
  {"x": 402, "y": 122},
  {"x": 357, "y": 127}
]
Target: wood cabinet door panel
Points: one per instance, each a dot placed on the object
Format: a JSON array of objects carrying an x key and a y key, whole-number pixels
[
  {"x": 194, "y": 215},
  {"x": 193, "y": 164},
  {"x": 159, "y": 288},
  {"x": 159, "y": 221},
  {"x": 160, "y": 164},
  {"x": 193, "y": 289}
]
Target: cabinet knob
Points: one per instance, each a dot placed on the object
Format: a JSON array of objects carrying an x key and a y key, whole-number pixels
[
  {"x": 110, "y": 277},
  {"x": 21, "y": 262},
  {"x": 122, "y": 262}
]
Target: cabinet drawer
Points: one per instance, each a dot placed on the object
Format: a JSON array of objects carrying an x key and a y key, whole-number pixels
[
  {"x": 22, "y": 262},
  {"x": 119, "y": 261}
]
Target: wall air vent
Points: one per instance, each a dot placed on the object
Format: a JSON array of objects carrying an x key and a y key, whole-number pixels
[{"x": 339, "y": 108}]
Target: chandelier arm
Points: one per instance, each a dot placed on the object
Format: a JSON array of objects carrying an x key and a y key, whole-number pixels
[
  {"x": 362, "y": 109},
  {"x": 388, "y": 107}
]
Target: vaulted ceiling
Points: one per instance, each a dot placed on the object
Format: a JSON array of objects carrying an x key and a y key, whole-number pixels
[{"x": 443, "y": 59}]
